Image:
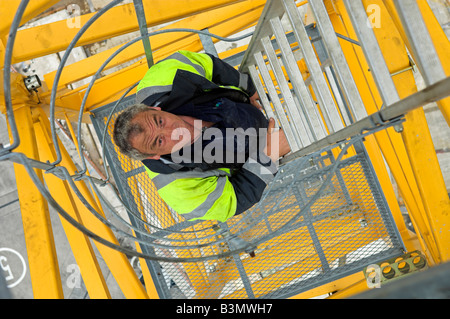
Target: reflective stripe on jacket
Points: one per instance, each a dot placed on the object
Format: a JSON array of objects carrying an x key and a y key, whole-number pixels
[
  {"x": 185, "y": 75},
  {"x": 208, "y": 194}
]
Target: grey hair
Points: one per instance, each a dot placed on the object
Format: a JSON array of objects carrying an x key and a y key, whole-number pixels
[{"x": 124, "y": 130}]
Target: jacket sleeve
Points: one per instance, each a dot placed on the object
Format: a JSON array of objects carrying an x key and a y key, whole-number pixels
[
  {"x": 251, "y": 180},
  {"x": 225, "y": 74}
]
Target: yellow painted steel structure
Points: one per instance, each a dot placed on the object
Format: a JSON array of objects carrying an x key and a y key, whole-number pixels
[
  {"x": 410, "y": 156},
  {"x": 415, "y": 154}
]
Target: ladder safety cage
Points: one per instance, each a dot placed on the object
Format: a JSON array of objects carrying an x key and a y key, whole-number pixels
[
  {"x": 324, "y": 217},
  {"x": 291, "y": 198},
  {"x": 328, "y": 203}
]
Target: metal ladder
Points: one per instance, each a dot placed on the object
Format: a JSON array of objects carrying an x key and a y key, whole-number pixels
[{"x": 289, "y": 99}]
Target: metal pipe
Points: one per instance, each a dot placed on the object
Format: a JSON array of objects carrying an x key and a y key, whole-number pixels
[
  {"x": 58, "y": 75},
  {"x": 430, "y": 94},
  {"x": 140, "y": 13}
]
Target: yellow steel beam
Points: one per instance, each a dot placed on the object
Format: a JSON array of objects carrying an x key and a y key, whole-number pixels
[
  {"x": 117, "y": 262},
  {"x": 430, "y": 180},
  {"x": 41, "y": 251},
  {"x": 80, "y": 243},
  {"x": 9, "y": 7},
  {"x": 54, "y": 37},
  {"x": 79, "y": 150},
  {"x": 371, "y": 100},
  {"x": 39, "y": 239},
  {"x": 87, "y": 67},
  {"x": 109, "y": 88},
  {"x": 419, "y": 145}
]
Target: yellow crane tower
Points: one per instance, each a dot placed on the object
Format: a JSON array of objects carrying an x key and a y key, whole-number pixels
[{"x": 347, "y": 80}]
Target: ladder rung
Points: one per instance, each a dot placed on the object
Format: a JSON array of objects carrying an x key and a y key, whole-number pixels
[
  {"x": 372, "y": 51},
  {"x": 337, "y": 56},
  {"x": 295, "y": 118},
  {"x": 320, "y": 86},
  {"x": 261, "y": 92},
  {"x": 279, "y": 111},
  {"x": 306, "y": 103}
]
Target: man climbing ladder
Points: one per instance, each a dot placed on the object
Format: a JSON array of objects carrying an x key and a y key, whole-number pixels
[{"x": 199, "y": 132}]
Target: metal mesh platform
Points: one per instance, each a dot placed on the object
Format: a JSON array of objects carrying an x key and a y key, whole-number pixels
[{"x": 323, "y": 217}]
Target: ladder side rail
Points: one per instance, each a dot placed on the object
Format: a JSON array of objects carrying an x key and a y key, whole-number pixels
[
  {"x": 261, "y": 92},
  {"x": 419, "y": 38}
]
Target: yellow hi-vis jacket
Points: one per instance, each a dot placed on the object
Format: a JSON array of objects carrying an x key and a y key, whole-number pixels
[{"x": 216, "y": 194}]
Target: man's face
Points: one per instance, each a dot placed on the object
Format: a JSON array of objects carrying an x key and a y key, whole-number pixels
[{"x": 163, "y": 133}]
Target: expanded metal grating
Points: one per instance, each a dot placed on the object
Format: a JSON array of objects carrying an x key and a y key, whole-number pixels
[{"x": 323, "y": 217}]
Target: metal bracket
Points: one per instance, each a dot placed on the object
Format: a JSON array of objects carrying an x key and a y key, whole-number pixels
[
  {"x": 32, "y": 83},
  {"x": 394, "y": 268},
  {"x": 378, "y": 122}
]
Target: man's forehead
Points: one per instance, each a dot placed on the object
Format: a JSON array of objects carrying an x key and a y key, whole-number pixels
[{"x": 150, "y": 110}]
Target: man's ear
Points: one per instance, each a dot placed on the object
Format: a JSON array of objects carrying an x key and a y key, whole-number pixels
[
  {"x": 154, "y": 157},
  {"x": 156, "y": 108}
]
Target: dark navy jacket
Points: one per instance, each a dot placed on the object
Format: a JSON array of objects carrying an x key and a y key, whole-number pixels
[{"x": 225, "y": 108}]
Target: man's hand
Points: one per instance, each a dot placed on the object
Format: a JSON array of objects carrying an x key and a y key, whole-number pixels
[
  {"x": 277, "y": 144},
  {"x": 254, "y": 101}
]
